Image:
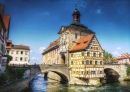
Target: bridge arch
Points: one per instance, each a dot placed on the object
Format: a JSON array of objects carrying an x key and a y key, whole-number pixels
[
  {"x": 111, "y": 75},
  {"x": 64, "y": 77},
  {"x": 62, "y": 70},
  {"x": 119, "y": 70}
]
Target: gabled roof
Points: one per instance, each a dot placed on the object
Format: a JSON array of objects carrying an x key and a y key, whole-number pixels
[
  {"x": 6, "y": 20},
  {"x": 79, "y": 26},
  {"x": 82, "y": 43},
  {"x": 52, "y": 46},
  {"x": 124, "y": 56},
  {"x": 12, "y": 46},
  {"x": 20, "y": 47}
]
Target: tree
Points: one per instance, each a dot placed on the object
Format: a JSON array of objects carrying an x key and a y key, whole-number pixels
[
  {"x": 108, "y": 57},
  {"x": 128, "y": 71}
]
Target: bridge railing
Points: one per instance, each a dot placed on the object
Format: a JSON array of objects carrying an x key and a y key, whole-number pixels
[{"x": 53, "y": 64}]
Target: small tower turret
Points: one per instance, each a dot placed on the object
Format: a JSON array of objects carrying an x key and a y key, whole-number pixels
[{"x": 76, "y": 15}]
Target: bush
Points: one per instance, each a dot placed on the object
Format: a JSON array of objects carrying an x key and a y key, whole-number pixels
[
  {"x": 3, "y": 78},
  {"x": 128, "y": 71},
  {"x": 20, "y": 73}
]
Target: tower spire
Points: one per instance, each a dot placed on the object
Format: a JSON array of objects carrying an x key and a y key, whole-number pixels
[
  {"x": 76, "y": 14},
  {"x": 76, "y": 5}
]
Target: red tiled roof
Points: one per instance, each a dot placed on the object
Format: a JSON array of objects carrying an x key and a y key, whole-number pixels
[
  {"x": 82, "y": 43},
  {"x": 52, "y": 45},
  {"x": 6, "y": 20},
  {"x": 20, "y": 47},
  {"x": 125, "y": 55},
  {"x": 9, "y": 41}
]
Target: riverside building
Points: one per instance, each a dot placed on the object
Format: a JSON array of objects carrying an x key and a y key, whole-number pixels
[
  {"x": 4, "y": 33},
  {"x": 20, "y": 54}
]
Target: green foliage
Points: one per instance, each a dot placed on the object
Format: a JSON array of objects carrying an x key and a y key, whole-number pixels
[
  {"x": 3, "y": 78},
  {"x": 20, "y": 73},
  {"x": 127, "y": 79},
  {"x": 11, "y": 72},
  {"x": 128, "y": 71},
  {"x": 108, "y": 57}
]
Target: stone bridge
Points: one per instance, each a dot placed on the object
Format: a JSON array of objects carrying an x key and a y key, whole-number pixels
[
  {"x": 119, "y": 69},
  {"x": 61, "y": 70}
]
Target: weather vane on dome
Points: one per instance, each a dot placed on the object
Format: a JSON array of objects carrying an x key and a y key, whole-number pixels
[{"x": 76, "y": 5}]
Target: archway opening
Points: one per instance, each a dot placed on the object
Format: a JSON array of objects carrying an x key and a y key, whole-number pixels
[
  {"x": 62, "y": 80},
  {"x": 111, "y": 75},
  {"x": 63, "y": 57}
]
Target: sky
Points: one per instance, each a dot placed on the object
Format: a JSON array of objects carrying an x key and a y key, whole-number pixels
[{"x": 36, "y": 22}]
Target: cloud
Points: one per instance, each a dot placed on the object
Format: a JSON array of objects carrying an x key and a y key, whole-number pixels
[
  {"x": 34, "y": 58},
  {"x": 98, "y": 11},
  {"x": 31, "y": 51},
  {"x": 40, "y": 50},
  {"x": 115, "y": 54},
  {"x": 44, "y": 13},
  {"x": 118, "y": 48}
]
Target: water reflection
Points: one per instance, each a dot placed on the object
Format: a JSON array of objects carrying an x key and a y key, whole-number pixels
[{"x": 41, "y": 85}]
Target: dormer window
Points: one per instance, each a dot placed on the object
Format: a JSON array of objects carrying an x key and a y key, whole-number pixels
[
  {"x": 85, "y": 42},
  {"x": 77, "y": 43},
  {"x": 76, "y": 36}
]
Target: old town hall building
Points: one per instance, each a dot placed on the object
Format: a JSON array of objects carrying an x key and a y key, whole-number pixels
[{"x": 77, "y": 47}]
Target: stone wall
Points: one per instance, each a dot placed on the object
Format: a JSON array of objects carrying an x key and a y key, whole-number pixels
[
  {"x": 53, "y": 77},
  {"x": 22, "y": 85},
  {"x": 92, "y": 81}
]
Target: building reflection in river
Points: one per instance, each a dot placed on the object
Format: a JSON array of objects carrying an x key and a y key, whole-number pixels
[{"x": 41, "y": 85}]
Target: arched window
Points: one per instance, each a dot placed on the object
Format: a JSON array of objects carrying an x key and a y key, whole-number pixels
[
  {"x": 90, "y": 62},
  {"x": 96, "y": 62},
  {"x": 71, "y": 62},
  {"x": 82, "y": 53},
  {"x": 100, "y": 54},
  {"x": 71, "y": 55},
  {"x": 94, "y": 54},
  {"x": 76, "y": 36},
  {"x": 100, "y": 72},
  {"x": 88, "y": 53},
  {"x": 100, "y": 62},
  {"x": 82, "y": 62},
  {"x": 87, "y": 62}
]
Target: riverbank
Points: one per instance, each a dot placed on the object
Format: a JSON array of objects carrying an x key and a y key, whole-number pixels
[{"x": 17, "y": 87}]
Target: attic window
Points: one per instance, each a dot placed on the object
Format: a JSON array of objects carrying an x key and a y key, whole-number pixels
[
  {"x": 85, "y": 42},
  {"x": 77, "y": 43}
]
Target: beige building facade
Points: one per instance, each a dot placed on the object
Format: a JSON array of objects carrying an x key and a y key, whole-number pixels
[{"x": 20, "y": 54}]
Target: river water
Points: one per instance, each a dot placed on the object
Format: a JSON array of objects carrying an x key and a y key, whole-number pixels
[{"x": 39, "y": 84}]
